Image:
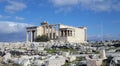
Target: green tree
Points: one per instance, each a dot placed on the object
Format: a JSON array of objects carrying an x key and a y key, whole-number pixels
[{"x": 42, "y": 38}]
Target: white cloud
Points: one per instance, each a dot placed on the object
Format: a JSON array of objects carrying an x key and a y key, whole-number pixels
[
  {"x": 19, "y": 18},
  {"x": 15, "y": 6},
  {"x": 1, "y": 16},
  {"x": 94, "y": 5},
  {"x": 11, "y": 17},
  {"x": 12, "y": 31},
  {"x": 12, "y": 27},
  {"x": 4, "y": 17},
  {"x": 64, "y": 2},
  {"x": 64, "y": 10},
  {"x": 1, "y": 0}
]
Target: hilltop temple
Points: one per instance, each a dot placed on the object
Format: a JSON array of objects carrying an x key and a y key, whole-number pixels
[{"x": 57, "y": 32}]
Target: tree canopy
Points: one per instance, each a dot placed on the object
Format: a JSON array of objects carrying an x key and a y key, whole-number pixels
[{"x": 42, "y": 38}]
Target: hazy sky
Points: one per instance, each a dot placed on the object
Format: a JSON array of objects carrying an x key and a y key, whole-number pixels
[{"x": 101, "y": 17}]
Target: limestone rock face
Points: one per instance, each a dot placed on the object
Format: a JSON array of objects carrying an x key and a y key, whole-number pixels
[
  {"x": 95, "y": 60},
  {"x": 55, "y": 61},
  {"x": 7, "y": 57},
  {"x": 115, "y": 61}
]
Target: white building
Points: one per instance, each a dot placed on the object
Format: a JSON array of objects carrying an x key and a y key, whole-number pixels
[{"x": 57, "y": 32}]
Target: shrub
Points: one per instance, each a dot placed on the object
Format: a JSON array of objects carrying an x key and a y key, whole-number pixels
[{"x": 42, "y": 38}]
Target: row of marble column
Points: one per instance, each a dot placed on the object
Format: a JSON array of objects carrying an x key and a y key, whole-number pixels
[
  {"x": 50, "y": 31},
  {"x": 32, "y": 35},
  {"x": 64, "y": 33}
]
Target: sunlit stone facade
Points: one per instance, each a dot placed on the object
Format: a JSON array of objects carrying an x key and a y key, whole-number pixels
[{"x": 57, "y": 32}]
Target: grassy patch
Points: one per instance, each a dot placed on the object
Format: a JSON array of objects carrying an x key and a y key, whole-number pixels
[{"x": 60, "y": 49}]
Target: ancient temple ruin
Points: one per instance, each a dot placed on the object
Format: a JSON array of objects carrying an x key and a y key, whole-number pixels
[{"x": 57, "y": 32}]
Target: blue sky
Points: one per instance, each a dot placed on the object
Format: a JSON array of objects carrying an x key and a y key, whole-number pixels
[{"x": 101, "y": 17}]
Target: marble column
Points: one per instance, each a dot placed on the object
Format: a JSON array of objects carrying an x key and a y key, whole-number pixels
[
  {"x": 45, "y": 30},
  {"x": 55, "y": 32},
  {"x": 35, "y": 35},
  {"x": 74, "y": 32},
  {"x": 70, "y": 33},
  {"x": 26, "y": 36},
  {"x": 85, "y": 34},
  {"x": 59, "y": 32},
  {"x": 51, "y": 32},
  {"x": 48, "y": 31},
  {"x": 31, "y": 38}
]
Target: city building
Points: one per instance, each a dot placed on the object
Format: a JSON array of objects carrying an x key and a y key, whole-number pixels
[{"x": 57, "y": 32}]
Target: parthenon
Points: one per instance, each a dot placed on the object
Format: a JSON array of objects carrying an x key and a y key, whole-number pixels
[{"x": 57, "y": 32}]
